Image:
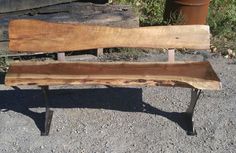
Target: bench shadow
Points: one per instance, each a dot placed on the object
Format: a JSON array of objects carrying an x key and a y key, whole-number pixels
[{"x": 120, "y": 99}]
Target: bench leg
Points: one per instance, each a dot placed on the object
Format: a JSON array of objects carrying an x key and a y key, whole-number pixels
[
  {"x": 195, "y": 93},
  {"x": 48, "y": 113}
]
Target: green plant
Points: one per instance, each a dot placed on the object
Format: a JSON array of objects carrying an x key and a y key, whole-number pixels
[
  {"x": 127, "y": 54},
  {"x": 151, "y": 11},
  {"x": 3, "y": 63},
  {"x": 222, "y": 18}
]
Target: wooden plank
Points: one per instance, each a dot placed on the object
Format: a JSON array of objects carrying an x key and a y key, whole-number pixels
[
  {"x": 76, "y": 12},
  {"x": 198, "y": 74},
  {"x": 38, "y": 36},
  {"x": 61, "y": 56},
  {"x": 100, "y": 51},
  {"x": 171, "y": 55},
  {"x": 17, "y": 5}
]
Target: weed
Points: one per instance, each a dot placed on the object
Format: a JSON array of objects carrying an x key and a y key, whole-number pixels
[
  {"x": 151, "y": 11},
  {"x": 222, "y": 18},
  {"x": 4, "y": 63},
  {"x": 125, "y": 54}
]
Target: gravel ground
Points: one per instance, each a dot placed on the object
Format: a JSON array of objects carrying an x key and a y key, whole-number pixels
[{"x": 100, "y": 119}]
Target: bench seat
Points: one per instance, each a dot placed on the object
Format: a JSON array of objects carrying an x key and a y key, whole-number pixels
[{"x": 198, "y": 75}]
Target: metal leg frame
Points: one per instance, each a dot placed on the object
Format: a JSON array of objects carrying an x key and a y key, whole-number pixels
[
  {"x": 195, "y": 93},
  {"x": 48, "y": 113}
]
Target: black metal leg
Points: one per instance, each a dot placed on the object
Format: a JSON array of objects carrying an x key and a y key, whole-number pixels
[
  {"x": 195, "y": 93},
  {"x": 48, "y": 113},
  {"x": 15, "y": 88}
]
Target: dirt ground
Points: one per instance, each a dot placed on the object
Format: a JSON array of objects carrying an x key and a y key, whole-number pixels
[{"x": 118, "y": 120}]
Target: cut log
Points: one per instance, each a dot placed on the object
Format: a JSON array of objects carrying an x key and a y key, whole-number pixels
[
  {"x": 198, "y": 75},
  {"x": 40, "y": 36}
]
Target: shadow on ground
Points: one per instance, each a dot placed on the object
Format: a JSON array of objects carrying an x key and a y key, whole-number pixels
[{"x": 120, "y": 99}]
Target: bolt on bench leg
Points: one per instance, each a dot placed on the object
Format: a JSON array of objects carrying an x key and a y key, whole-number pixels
[
  {"x": 48, "y": 113},
  {"x": 195, "y": 93}
]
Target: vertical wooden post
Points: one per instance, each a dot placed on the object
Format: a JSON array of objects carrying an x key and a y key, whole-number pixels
[
  {"x": 61, "y": 56},
  {"x": 171, "y": 55},
  {"x": 99, "y": 51}
]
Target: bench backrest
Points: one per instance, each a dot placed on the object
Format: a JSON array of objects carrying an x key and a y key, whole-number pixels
[{"x": 39, "y": 36}]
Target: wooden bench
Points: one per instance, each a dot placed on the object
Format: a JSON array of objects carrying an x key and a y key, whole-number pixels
[{"x": 39, "y": 36}]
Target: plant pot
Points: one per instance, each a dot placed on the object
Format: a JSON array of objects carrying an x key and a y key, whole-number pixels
[{"x": 186, "y": 11}]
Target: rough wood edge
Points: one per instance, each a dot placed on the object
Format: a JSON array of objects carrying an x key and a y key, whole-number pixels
[{"x": 199, "y": 35}]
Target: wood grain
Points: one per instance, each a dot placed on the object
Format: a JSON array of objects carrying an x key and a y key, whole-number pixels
[
  {"x": 17, "y": 5},
  {"x": 198, "y": 74},
  {"x": 74, "y": 12},
  {"x": 39, "y": 36}
]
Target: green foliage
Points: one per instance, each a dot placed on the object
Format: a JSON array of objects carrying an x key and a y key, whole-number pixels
[
  {"x": 151, "y": 11},
  {"x": 126, "y": 54},
  {"x": 222, "y": 18}
]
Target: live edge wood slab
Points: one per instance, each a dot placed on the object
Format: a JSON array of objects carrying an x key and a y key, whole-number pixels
[
  {"x": 198, "y": 75},
  {"x": 73, "y": 12},
  {"x": 39, "y": 36}
]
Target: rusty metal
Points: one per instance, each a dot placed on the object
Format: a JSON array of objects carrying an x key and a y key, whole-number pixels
[{"x": 186, "y": 11}]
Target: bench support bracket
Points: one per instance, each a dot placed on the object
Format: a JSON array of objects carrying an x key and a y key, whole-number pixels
[
  {"x": 48, "y": 113},
  {"x": 195, "y": 93}
]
